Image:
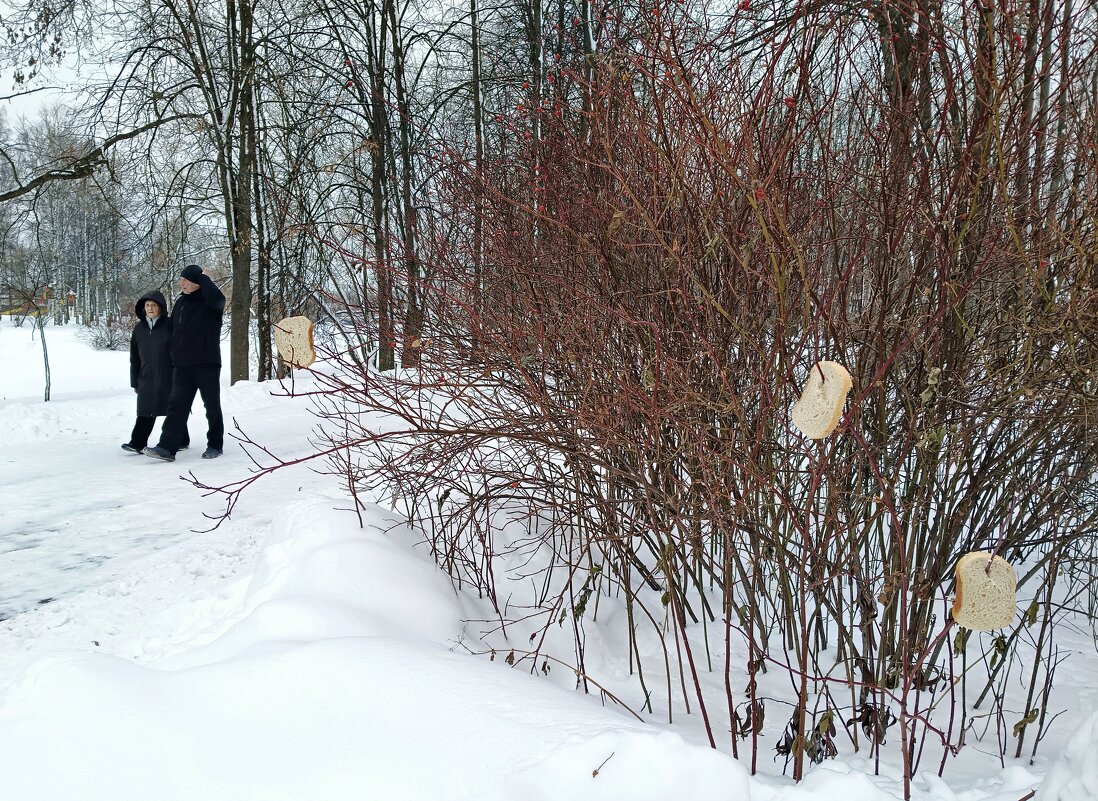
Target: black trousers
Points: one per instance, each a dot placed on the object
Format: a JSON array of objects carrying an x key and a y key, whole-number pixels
[
  {"x": 139, "y": 437},
  {"x": 204, "y": 379}
]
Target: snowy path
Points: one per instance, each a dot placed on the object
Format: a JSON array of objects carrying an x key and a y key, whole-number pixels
[{"x": 77, "y": 508}]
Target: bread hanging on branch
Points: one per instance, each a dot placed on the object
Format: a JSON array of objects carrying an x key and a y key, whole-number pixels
[
  {"x": 820, "y": 406},
  {"x": 986, "y": 592},
  {"x": 293, "y": 337}
]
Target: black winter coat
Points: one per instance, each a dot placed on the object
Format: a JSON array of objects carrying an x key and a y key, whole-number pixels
[
  {"x": 150, "y": 360},
  {"x": 196, "y": 325}
]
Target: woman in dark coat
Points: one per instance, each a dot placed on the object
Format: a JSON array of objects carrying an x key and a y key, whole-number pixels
[{"x": 150, "y": 367}]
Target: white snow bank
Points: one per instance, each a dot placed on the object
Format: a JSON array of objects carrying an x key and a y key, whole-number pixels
[
  {"x": 1074, "y": 775},
  {"x": 322, "y": 577},
  {"x": 332, "y": 680}
]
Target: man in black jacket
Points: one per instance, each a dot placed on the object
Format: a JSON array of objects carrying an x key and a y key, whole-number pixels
[{"x": 196, "y": 360}]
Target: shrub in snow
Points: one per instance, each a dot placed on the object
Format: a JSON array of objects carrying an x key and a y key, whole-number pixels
[{"x": 108, "y": 333}]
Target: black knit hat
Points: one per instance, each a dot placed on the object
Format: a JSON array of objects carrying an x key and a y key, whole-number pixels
[{"x": 192, "y": 272}]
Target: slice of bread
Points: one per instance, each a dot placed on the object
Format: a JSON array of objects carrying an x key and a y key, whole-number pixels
[
  {"x": 820, "y": 406},
  {"x": 293, "y": 337},
  {"x": 986, "y": 597}
]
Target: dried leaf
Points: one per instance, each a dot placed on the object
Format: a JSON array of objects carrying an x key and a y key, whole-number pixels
[
  {"x": 1030, "y": 717},
  {"x": 1030, "y": 616}
]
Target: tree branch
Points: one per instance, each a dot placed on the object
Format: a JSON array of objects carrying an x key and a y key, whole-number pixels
[{"x": 85, "y": 165}]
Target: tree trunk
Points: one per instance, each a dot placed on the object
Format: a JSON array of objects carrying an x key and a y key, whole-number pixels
[
  {"x": 241, "y": 222},
  {"x": 380, "y": 135},
  {"x": 38, "y": 321},
  {"x": 263, "y": 263},
  {"x": 478, "y": 139},
  {"x": 413, "y": 313}
]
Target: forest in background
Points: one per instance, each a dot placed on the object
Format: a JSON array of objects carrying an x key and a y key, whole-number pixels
[{"x": 608, "y": 241}]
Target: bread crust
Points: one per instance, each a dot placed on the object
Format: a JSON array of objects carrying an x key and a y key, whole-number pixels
[
  {"x": 818, "y": 411},
  {"x": 986, "y": 594},
  {"x": 293, "y": 337}
]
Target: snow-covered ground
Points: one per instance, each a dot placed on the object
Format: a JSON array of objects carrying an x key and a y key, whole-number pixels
[{"x": 292, "y": 654}]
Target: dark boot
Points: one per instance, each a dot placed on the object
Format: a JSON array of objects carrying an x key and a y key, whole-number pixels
[{"x": 157, "y": 452}]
